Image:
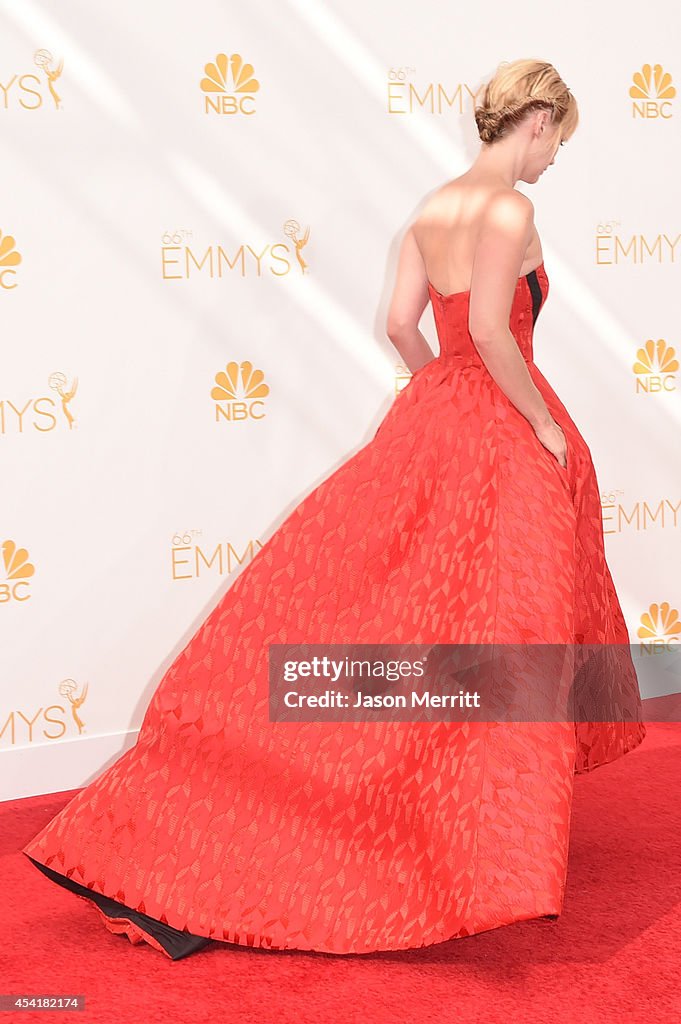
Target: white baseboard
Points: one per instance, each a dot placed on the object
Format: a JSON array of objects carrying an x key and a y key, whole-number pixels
[{"x": 61, "y": 765}]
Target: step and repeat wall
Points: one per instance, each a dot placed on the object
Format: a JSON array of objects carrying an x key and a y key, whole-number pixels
[{"x": 201, "y": 212}]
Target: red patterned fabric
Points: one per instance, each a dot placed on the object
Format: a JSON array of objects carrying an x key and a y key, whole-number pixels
[{"x": 452, "y": 525}]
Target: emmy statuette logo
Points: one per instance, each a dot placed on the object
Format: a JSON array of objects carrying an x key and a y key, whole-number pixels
[
  {"x": 67, "y": 688},
  {"x": 43, "y": 59},
  {"x": 292, "y": 231}
]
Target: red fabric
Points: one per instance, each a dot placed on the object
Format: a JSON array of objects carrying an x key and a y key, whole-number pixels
[
  {"x": 452, "y": 525},
  {"x": 122, "y": 926}
]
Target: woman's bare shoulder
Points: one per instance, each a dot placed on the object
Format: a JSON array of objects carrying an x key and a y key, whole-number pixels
[{"x": 476, "y": 199}]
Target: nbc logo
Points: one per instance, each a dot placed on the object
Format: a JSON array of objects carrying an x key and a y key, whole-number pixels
[
  {"x": 651, "y": 92},
  {"x": 238, "y": 392},
  {"x": 9, "y": 259},
  {"x": 18, "y": 570},
  {"x": 229, "y": 86},
  {"x": 655, "y": 366},
  {"x": 660, "y": 626}
]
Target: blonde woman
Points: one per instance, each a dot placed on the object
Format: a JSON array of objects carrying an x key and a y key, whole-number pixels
[{"x": 472, "y": 517}]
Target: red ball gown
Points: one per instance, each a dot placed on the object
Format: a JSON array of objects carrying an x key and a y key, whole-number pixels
[{"x": 452, "y": 525}]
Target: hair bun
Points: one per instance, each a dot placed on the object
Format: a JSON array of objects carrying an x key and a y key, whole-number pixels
[
  {"x": 489, "y": 123},
  {"x": 515, "y": 90}
]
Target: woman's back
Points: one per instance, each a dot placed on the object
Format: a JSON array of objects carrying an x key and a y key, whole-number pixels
[{"x": 447, "y": 231}]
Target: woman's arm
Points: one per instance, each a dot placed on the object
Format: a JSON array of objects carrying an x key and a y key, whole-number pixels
[
  {"x": 505, "y": 234},
  {"x": 409, "y": 299}
]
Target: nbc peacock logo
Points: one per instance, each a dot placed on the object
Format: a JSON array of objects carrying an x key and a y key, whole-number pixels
[
  {"x": 655, "y": 368},
  {"x": 652, "y": 92},
  {"x": 239, "y": 392},
  {"x": 18, "y": 570},
  {"x": 660, "y": 625},
  {"x": 10, "y": 258},
  {"x": 229, "y": 85}
]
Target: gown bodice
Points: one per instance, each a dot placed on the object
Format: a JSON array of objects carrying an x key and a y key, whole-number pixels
[{"x": 451, "y": 318}]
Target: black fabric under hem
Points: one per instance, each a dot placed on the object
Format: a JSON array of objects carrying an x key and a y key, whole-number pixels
[{"x": 177, "y": 943}]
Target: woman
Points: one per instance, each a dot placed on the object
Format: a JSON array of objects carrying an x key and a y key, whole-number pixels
[{"x": 471, "y": 517}]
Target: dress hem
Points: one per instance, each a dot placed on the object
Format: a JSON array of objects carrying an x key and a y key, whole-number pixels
[{"x": 176, "y": 943}]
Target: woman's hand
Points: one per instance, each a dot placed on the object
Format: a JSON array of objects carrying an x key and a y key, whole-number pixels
[{"x": 553, "y": 438}]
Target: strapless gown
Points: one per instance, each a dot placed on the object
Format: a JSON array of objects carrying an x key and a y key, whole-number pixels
[{"x": 453, "y": 524}]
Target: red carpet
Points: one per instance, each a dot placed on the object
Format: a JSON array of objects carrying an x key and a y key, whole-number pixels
[{"x": 614, "y": 955}]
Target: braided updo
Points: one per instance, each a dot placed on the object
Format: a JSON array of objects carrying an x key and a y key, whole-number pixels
[{"x": 517, "y": 88}]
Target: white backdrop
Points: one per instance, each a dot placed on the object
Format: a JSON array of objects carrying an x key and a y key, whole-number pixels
[{"x": 152, "y": 232}]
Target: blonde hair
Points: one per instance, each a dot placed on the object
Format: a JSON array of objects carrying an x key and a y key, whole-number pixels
[{"x": 519, "y": 87}]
